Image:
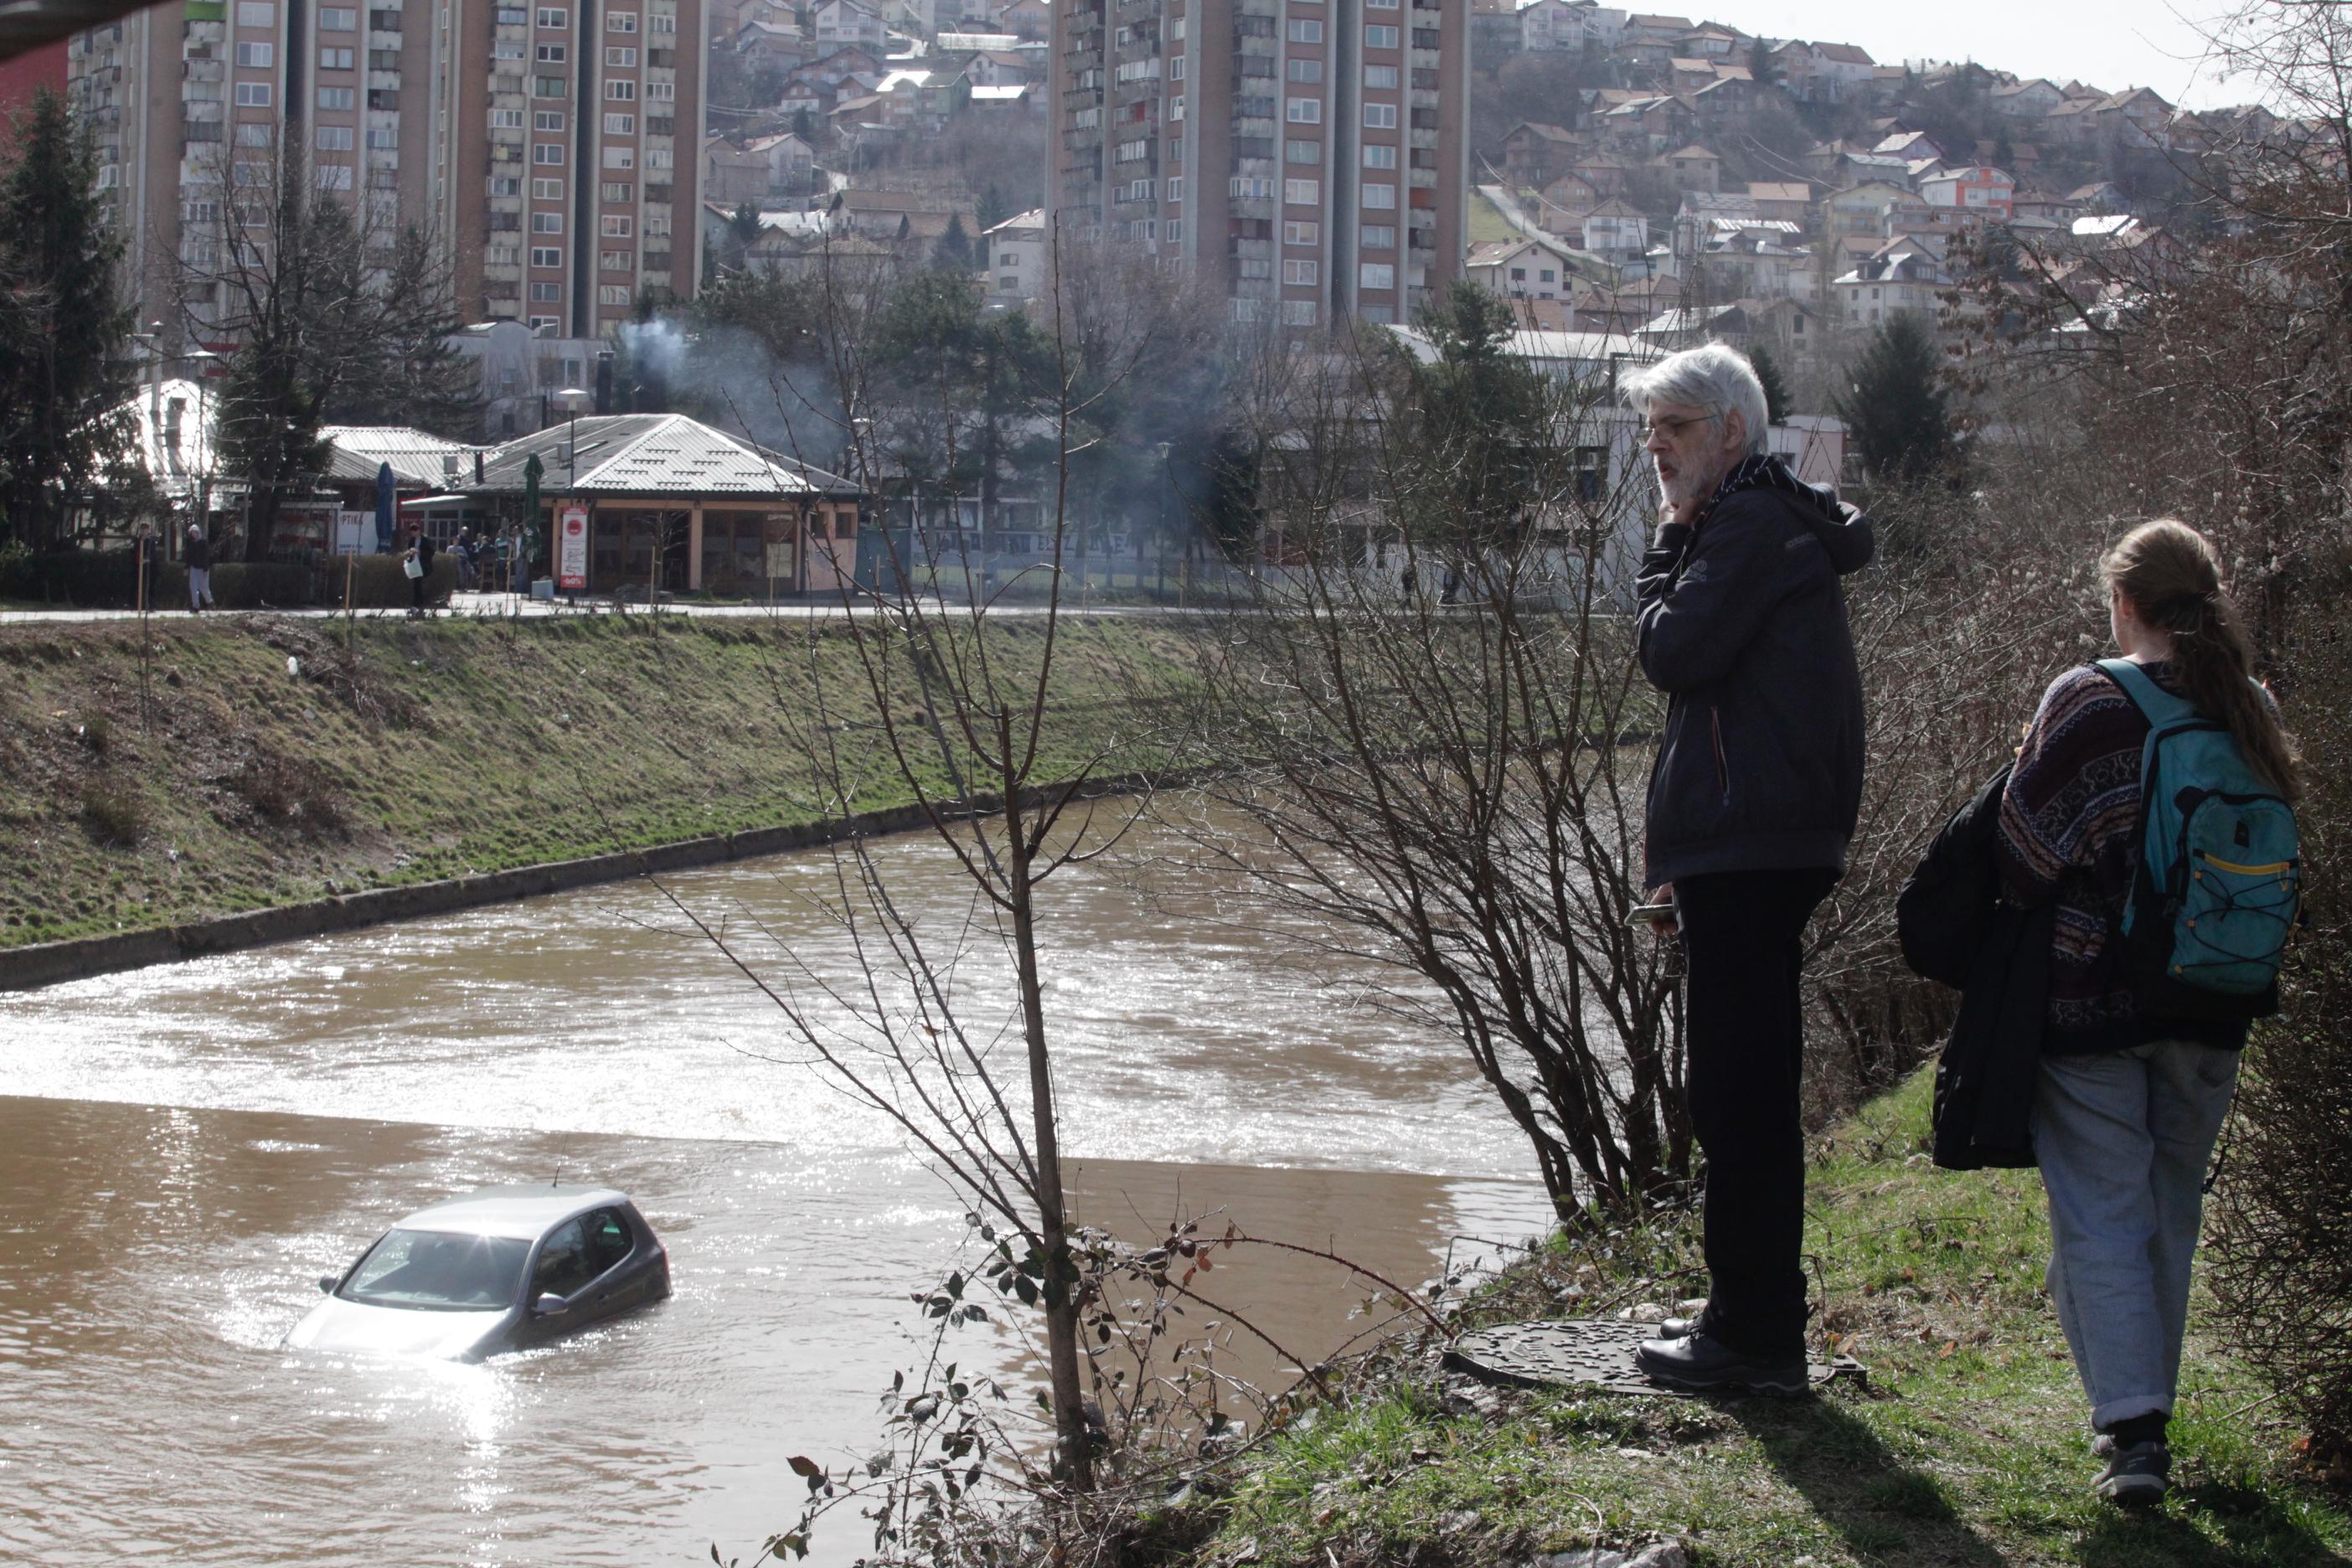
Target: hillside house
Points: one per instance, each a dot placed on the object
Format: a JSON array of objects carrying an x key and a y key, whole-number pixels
[
  {"x": 1978, "y": 189},
  {"x": 1695, "y": 168},
  {"x": 1878, "y": 289},
  {"x": 1616, "y": 232},
  {"x": 1520, "y": 269},
  {"x": 1791, "y": 200},
  {"x": 1533, "y": 153}
]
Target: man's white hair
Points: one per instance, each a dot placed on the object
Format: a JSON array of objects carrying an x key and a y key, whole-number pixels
[{"x": 1712, "y": 378}]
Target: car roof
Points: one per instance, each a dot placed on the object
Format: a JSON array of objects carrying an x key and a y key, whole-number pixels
[{"x": 525, "y": 1212}]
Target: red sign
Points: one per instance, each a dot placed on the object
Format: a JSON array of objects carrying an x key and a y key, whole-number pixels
[{"x": 571, "y": 545}]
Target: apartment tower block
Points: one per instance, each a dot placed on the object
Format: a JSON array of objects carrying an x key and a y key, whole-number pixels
[
  {"x": 1312, "y": 154},
  {"x": 537, "y": 144}
]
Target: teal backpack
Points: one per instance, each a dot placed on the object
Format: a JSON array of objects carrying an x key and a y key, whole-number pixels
[{"x": 2220, "y": 882}]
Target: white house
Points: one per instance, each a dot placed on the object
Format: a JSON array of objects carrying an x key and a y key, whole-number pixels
[
  {"x": 1616, "y": 232},
  {"x": 1880, "y": 287},
  {"x": 1015, "y": 252},
  {"x": 844, "y": 24},
  {"x": 1520, "y": 269}
]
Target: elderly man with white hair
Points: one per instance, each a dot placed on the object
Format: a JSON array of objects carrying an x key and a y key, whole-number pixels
[{"x": 1754, "y": 792}]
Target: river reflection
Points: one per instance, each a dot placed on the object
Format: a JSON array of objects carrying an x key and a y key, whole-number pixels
[{"x": 186, "y": 1150}]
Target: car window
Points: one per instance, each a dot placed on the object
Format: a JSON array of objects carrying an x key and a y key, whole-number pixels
[
  {"x": 608, "y": 1239},
  {"x": 563, "y": 1264},
  {"x": 438, "y": 1272}
]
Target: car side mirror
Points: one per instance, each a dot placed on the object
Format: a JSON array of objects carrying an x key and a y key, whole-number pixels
[
  {"x": 327, "y": 1284},
  {"x": 549, "y": 1305}
]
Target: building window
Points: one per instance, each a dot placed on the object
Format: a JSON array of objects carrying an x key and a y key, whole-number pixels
[
  {"x": 1304, "y": 70},
  {"x": 1377, "y": 37},
  {"x": 1379, "y": 116},
  {"x": 1255, "y": 269},
  {"x": 546, "y": 256},
  {"x": 1295, "y": 232},
  {"x": 547, "y": 223},
  {"x": 1176, "y": 108},
  {"x": 338, "y": 98},
  {"x": 1302, "y": 151},
  {"x": 1302, "y": 192},
  {"x": 613, "y": 191},
  {"x": 1375, "y": 275},
  {"x": 1306, "y": 30},
  {"x": 1176, "y": 68},
  {"x": 620, "y": 157},
  {"x": 546, "y": 293},
  {"x": 1307, "y": 111},
  {"x": 1298, "y": 272},
  {"x": 334, "y": 177},
  {"x": 547, "y": 190},
  {"x": 553, "y": 18},
  {"x": 611, "y": 294},
  {"x": 661, "y": 22},
  {"x": 1245, "y": 187},
  {"x": 548, "y": 154},
  {"x": 548, "y": 323},
  {"x": 1378, "y": 195},
  {"x": 547, "y": 87},
  {"x": 505, "y": 185},
  {"x": 620, "y": 21},
  {"x": 617, "y": 55},
  {"x": 1377, "y": 237},
  {"x": 551, "y": 54},
  {"x": 506, "y": 119},
  {"x": 617, "y": 226},
  {"x": 252, "y": 95},
  {"x": 338, "y": 19},
  {"x": 257, "y": 14},
  {"x": 1380, "y": 77},
  {"x": 1378, "y": 155},
  {"x": 621, "y": 91},
  {"x": 547, "y": 120},
  {"x": 1299, "y": 312},
  {"x": 667, "y": 92},
  {"x": 259, "y": 57},
  {"x": 613, "y": 260},
  {"x": 335, "y": 59},
  {"x": 333, "y": 139},
  {"x": 1518, "y": 274},
  {"x": 506, "y": 49}
]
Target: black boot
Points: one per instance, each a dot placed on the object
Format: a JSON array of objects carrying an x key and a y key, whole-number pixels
[{"x": 1703, "y": 1364}]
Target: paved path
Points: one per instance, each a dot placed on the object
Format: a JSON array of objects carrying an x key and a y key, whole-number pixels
[{"x": 500, "y": 607}]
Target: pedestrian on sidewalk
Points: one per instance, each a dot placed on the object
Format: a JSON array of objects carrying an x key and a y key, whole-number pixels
[
  {"x": 419, "y": 554},
  {"x": 2132, "y": 1089},
  {"x": 1752, "y": 798},
  {"x": 198, "y": 554},
  {"x": 468, "y": 575}
]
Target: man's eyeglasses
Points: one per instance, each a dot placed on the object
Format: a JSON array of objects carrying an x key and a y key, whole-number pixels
[{"x": 1670, "y": 428}]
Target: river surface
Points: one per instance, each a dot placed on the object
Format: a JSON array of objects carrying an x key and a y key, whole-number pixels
[{"x": 185, "y": 1149}]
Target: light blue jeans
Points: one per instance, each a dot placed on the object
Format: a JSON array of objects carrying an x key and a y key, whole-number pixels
[{"x": 2123, "y": 1140}]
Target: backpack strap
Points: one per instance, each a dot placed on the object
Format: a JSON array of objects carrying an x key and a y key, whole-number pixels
[{"x": 2160, "y": 708}]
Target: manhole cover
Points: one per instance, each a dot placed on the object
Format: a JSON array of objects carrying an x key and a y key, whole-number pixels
[{"x": 1582, "y": 1353}]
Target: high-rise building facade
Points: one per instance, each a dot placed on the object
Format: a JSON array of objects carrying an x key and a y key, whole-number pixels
[
  {"x": 537, "y": 144},
  {"x": 1312, "y": 154}
]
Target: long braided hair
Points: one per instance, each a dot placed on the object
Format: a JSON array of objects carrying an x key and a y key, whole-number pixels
[{"x": 2172, "y": 577}]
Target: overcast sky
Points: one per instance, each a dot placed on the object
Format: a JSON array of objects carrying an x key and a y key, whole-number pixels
[{"x": 2106, "y": 43}]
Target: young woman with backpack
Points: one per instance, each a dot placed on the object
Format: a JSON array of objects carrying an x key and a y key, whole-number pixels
[{"x": 2152, "y": 796}]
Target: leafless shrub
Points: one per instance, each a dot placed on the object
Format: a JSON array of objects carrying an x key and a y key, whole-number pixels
[{"x": 115, "y": 813}]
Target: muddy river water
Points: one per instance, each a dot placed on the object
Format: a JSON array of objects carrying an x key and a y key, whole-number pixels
[{"x": 184, "y": 1149}]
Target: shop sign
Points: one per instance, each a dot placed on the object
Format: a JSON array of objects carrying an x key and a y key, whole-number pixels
[{"x": 571, "y": 545}]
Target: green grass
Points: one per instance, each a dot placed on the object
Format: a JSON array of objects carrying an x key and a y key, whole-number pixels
[
  {"x": 1969, "y": 1449},
  {"x": 425, "y": 749},
  {"x": 1488, "y": 221}
]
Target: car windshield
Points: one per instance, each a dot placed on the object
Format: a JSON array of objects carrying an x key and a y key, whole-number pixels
[{"x": 435, "y": 1271}]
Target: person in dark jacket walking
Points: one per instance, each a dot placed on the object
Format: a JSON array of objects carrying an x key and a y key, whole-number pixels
[
  {"x": 1754, "y": 792},
  {"x": 198, "y": 553},
  {"x": 420, "y": 551},
  {"x": 2129, "y": 1102}
]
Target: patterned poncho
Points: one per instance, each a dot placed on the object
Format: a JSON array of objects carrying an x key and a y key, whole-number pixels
[{"x": 2070, "y": 833}]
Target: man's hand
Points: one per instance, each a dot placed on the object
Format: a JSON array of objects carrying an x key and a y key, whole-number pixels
[
  {"x": 1662, "y": 925},
  {"x": 1684, "y": 513}
]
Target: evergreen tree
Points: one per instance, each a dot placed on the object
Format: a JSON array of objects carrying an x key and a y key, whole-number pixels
[
  {"x": 803, "y": 127},
  {"x": 1483, "y": 420},
  {"x": 1894, "y": 408},
  {"x": 64, "y": 370},
  {"x": 742, "y": 233},
  {"x": 993, "y": 208},
  {"x": 1776, "y": 386},
  {"x": 954, "y": 252}
]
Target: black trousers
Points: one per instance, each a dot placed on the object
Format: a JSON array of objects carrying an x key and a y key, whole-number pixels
[{"x": 1742, "y": 935}]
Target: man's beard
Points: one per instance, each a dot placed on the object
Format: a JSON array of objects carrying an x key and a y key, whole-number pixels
[{"x": 1686, "y": 486}]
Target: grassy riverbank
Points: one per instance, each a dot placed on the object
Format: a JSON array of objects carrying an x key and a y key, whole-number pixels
[
  {"x": 1967, "y": 1450},
  {"x": 239, "y": 762}
]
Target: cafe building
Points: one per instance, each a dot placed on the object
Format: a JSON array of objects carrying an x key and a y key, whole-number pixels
[{"x": 671, "y": 499}]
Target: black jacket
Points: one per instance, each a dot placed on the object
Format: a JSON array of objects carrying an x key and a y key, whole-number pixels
[
  {"x": 1743, "y": 624},
  {"x": 198, "y": 553},
  {"x": 1955, "y": 928}
]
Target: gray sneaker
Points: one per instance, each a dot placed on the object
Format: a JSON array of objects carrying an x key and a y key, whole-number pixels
[{"x": 2138, "y": 1475}]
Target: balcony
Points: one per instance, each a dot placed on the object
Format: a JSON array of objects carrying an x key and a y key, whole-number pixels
[
  {"x": 1422, "y": 59},
  {"x": 1422, "y": 178},
  {"x": 1420, "y": 139}
]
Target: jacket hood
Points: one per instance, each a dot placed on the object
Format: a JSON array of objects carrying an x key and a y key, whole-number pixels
[{"x": 1844, "y": 531}]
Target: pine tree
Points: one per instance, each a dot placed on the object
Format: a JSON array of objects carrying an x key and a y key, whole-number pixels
[
  {"x": 64, "y": 370},
  {"x": 1894, "y": 408},
  {"x": 954, "y": 253},
  {"x": 1776, "y": 385}
]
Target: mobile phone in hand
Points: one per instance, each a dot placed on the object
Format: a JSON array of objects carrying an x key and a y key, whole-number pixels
[{"x": 1652, "y": 915}]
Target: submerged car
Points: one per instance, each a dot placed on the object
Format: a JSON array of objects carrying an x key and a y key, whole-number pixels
[{"x": 502, "y": 1269}]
